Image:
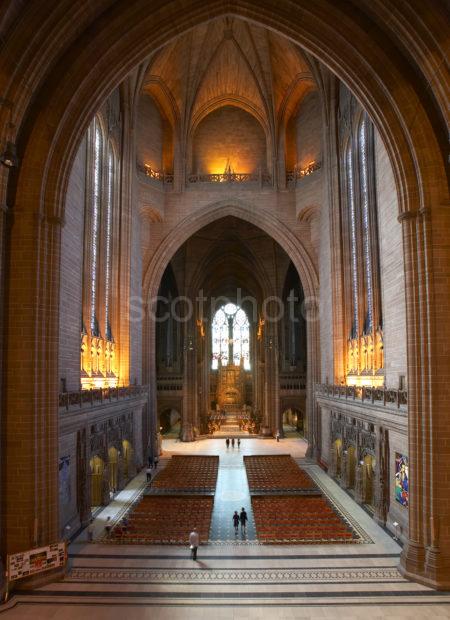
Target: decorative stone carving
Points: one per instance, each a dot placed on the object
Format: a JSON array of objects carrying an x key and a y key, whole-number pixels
[
  {"x": 332, "y": 469},
  {"x": 359, "y": 486}
]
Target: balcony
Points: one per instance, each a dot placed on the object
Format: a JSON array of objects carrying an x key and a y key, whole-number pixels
[
  {"x": 365, "y": 395},
  {"x": 69, "y": 401}
]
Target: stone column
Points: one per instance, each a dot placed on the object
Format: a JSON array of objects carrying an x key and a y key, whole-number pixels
[
  {"x": 426, "y": 554},
  {"x": 30, "y": 430},
  {"x": 189, "y": 383},
  {"x": 311, "y": 310}
]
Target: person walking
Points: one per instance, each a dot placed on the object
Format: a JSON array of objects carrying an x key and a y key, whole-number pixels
[
  {"x": 108, "y": 525},
  {"x": 194, "y": 541},
  {"x": 236, "y": 521},
  {"x": 243, "y": 518},
  {"x": 148, "y": 472},
  {"x": 232, "y": 442},
  {"x": 239, "y": 442},
  {"x": 227, "y": 441},
  {"x": 156, "y": 461},
  {"x": 278, "y": 435}
]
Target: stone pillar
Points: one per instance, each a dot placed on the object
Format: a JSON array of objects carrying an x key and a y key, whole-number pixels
[
  {"x": 30, "y": 429},
  {"x": 359, "y": 484},
  {"x": 105, "y": 483},
  {"x": 345, "y": 481},
  {"x": 312, "y": 376},
  {"x": 332, "y": 468},
  {"x": 189, "y": 384},
  {"x": 83, "y": 479},
  {"x": 426, "y": 554}
]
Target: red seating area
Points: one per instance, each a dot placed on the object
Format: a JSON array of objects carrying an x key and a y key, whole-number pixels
[
  {"x": 160, "y": 519},
  {"x": 276, "y": 473},
  {"x": 301, "y": 519},
  {"x": 195, "y": 474}
]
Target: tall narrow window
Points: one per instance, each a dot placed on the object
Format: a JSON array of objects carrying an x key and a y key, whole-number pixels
[
  {"x": 220, "y": 338},
  {"x": 108, "y": 232},
  {"x": 353, "y": 241},
  {"x": 365, "y": 218},
  {"x": 241, "y": 339},
  {"x": 95, "y": 224}
]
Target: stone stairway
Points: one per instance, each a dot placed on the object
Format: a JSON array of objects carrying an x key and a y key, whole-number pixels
[
  {"x": 230, "y": 427},
  {"x": 256, "y": 576}
]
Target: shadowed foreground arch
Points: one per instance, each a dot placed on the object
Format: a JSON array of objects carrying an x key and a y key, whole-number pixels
[{"x": 56, "y": 89}]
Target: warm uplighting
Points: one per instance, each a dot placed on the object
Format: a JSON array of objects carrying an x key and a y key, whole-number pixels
[
  {"x": 153, "y": 174},
  {"x": 95, "y": 383},
  {"x": 201, "y": 327},
  {"x": 365, "y": 380},
  {"x": 311, "y": 167}
]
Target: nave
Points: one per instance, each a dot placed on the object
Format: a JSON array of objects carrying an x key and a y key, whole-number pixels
[{"x": 235, "y": 576}]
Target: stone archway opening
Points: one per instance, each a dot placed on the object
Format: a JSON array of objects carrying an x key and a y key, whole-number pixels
[
  {"x": 413, "y": 146},
  {"x": 97, "y": 471},
  {"x": 223, "y": 370}
]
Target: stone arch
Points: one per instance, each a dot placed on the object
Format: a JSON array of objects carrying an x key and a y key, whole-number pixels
[
  {"x": 387, "y": 76},
  {"x": 241, "y": 210},
  {"x": 267, "y": 222}
]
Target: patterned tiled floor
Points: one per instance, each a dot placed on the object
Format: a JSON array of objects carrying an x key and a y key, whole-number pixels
[
  {"x": 231, "y": 494},
  {"x": 235, "y": 580}
]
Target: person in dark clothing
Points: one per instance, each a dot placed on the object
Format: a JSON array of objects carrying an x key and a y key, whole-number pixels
[
  {"x": 236, "y": 521},
  {"x": 227, "y": 441},
  {"x": 243, "y": 518},
  {"x": 156, "y": 461},
  {"x": 232, "y": 442},
  {"x": 239, "y": 442}
]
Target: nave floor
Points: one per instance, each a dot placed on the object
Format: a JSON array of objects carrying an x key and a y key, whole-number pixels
[{"x": 235, "y": 579}]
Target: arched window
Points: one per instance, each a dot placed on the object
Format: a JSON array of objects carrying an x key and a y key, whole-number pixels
[
  {"x": 230, "y": 333},
  {"x": 362, "y": 297},
  {"x": 365, "y": 220},
  {"x": 109, "y": 208},
  {"x": 353, "y": 241},
  {"x": 102, "y": 173},
  {"x": 95, "y": 222}
]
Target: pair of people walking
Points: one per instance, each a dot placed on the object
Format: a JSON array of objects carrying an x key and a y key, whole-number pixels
[
  {"x": 240, "y": 518},
  {"x": 227, "y": 442}
]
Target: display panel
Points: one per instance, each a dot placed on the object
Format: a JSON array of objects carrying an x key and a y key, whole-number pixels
[{"x": 401, "y": 479}]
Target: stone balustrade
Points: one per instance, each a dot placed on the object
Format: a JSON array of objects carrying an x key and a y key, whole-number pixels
[
  {"x": 99, "y": 396},
  {"x": 364, "y": 394}
]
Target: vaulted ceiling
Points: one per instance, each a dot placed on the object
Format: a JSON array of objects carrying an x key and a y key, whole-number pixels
[{"x": 228, "y": 62}]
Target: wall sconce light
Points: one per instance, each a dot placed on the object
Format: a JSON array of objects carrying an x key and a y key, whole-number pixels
[{"x": 9, "y": 157}]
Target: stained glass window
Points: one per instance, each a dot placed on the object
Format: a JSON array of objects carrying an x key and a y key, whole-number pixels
[
  {"x": 230, "y": 332},
  {"x": 108, "y": 254},
  {"x": 366, "y": 224},
  {"x": 353, "y": 249},
  {"x": 95, "y": 222}
]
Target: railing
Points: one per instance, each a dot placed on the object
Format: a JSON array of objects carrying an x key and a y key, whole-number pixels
[
  {"x": 374, "y": 395},
  {"x": 237, "y": 178},
  {"x": 292, "y": 176},
  {"x": 292, "y": 382},
  {"x": 169, "y": 384},
  {"x": 155, "y": 175},
  {"x": 98, "y": 396}
]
